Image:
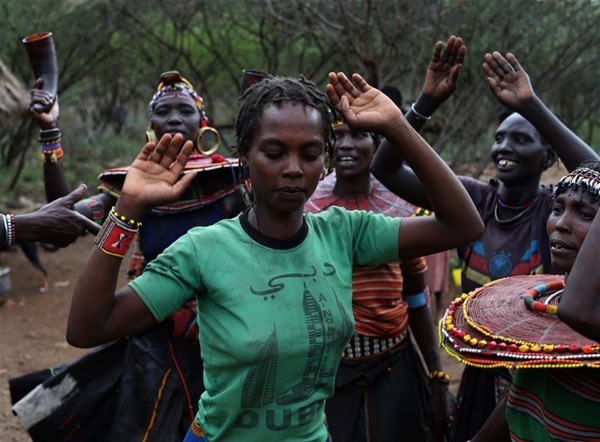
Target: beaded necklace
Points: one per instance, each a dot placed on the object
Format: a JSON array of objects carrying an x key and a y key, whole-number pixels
[
  {"x": 524, "y": 208},
  {"x": 535, "y": 292}
]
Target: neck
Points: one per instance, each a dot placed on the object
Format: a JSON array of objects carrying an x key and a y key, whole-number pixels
[
  {"x": 517, "y": 197},
  {"x": 278, "y": 225},
  {"x": 353, "y": 187}
]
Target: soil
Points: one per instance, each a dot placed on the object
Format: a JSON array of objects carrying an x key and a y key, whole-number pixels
[{"x": 33, "y": 320}]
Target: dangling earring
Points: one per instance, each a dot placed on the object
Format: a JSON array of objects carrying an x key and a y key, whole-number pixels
[
  {"x": 249, "y": 196},
  {"x": 150, "y": 135}
]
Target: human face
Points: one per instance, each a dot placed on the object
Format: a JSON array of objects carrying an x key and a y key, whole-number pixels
[
  {"x": 285, "y": 157},
  {"x": 353, "y": 151},
  {"x": 519, "y": 153},
  {"x": 176, "y": 113},
  {"x": 568, "y": 224}
]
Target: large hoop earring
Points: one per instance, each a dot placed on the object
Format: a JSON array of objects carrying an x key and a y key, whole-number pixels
[
  {"x": 200, "y": 136},
  {"x": 150, "y": 136}
]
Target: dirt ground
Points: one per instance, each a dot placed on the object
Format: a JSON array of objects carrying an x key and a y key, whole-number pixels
[{"x": 32, "y": 322}]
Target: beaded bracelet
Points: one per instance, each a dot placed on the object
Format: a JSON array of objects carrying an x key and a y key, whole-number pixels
[
  {"x": 419, "y": 115},
  {"x": 51, "y": 146},
  {"x": 49, "y": 134},
  {"x": 417, "y": 300},
  {"x": 439, "y": 376},
  {"x": 52, "y": 155},
  {"x": 533, "y": 293},
  {"x": 4, "y": 232},
  {"x": 9, "y": 229},
  {"x": 131, "y": 222},
  {"x": 115, "y": 236}
]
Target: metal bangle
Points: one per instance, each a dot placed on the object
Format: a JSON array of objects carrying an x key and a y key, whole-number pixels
[{"x": 421, "y": 116}]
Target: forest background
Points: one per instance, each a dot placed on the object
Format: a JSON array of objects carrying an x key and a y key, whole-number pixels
[{"x": 111, "y": 53}]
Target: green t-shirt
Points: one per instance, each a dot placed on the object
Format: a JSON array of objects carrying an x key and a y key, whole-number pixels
[{"x": 274, "y": 316}]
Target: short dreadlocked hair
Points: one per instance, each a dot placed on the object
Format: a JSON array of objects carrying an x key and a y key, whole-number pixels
[
  {"x": 587, "y": 175},
  {"x": 277, "y": 90}
]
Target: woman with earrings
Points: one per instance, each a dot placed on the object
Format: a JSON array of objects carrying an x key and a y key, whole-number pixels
[
  {"x": 514, "y": 208},
  {"x": 138, "y": 388},
  {"x": 273, "y": 285}
]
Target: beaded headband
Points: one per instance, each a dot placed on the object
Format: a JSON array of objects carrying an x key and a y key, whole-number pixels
[
  {"x": 587, "y": 178},
  {"x": 512, "y": 323},
  {"x": 172, "y": 82}
]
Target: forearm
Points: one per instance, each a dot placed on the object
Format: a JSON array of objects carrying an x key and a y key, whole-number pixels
[
  {"x": 98, "y": 313},
  {"x": 449, "y": 200},
  {"x": 388, "y": 165},
  {"x": 55, "y": 181},
  {"x": 571, "y": 149},
  {"x": 423, "y": 329}
]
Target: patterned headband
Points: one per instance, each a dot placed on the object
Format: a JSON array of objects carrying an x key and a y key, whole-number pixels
[
  {"x": 587, "y": 178},
  {"x": 173, "y": 82}
]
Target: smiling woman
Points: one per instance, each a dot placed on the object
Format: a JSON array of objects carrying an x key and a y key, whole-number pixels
[{"x": 514, "y": 208}]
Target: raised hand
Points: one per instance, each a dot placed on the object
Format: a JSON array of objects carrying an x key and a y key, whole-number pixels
[
  {"x": 154, "y": 177},
  {"x": 446, "y": 62},
  {"x": 45, "y": 120},
  {"x": 508, "y": 80},
  {"x": 362, "y": 106}
]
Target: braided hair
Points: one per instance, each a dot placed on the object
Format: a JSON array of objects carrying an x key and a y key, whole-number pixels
[
  {"x": 587, "y": 175},
  {"x": 276, "y": 90}
]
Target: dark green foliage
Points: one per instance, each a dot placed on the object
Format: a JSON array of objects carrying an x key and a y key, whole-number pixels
[{"x": 111, "y": 53}]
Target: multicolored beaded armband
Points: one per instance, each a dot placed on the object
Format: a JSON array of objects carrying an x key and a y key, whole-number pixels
[{"x": 116, "y": 235}]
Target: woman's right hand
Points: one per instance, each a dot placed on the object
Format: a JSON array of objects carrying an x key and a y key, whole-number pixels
[
  {"x": 45, "y": 120},
  {"x": 445, "y": 65},
  {"x": 155, "y": 178}
]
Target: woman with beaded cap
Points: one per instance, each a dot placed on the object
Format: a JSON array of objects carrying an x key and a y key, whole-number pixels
[
  {"x": 514, "y": 208},
  {"x": 553, "y": 403},
  {"x": 144, "y": 390},
  {"x": 274, "y": 324}
]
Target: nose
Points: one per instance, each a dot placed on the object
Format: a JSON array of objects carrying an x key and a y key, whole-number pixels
[
  {"x": 343, "y": 141},
  {"x": 293, "y": 166},
  {"x": 174, "y": 118},
  {"x": 562, "y": 223}
]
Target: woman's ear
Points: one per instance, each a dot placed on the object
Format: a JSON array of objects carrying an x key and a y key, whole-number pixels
[{"x": 551, "y": 158}]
